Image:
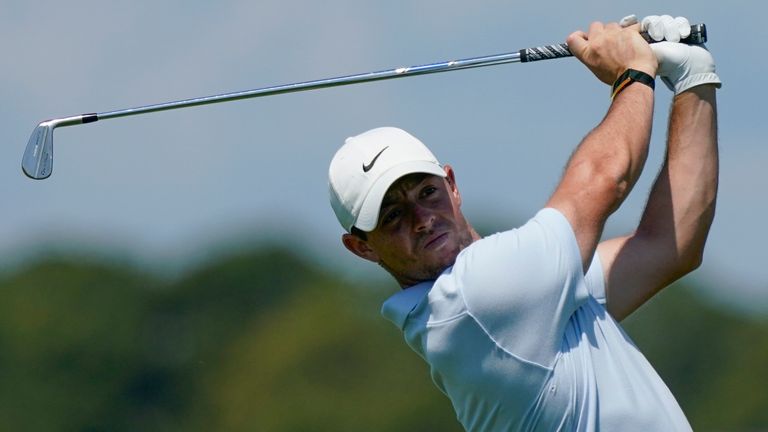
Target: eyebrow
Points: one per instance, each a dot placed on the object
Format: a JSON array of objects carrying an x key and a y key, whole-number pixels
[
  {"x": 407, "y": 182},
  {"x": 388, "y": 200}
]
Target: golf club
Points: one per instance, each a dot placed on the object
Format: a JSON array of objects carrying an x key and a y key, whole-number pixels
[{"x": 37, "y": 162}]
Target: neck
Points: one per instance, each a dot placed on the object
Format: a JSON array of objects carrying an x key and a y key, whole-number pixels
[{"x": 406, "y": 282}]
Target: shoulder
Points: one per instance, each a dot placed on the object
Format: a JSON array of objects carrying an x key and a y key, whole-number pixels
[
  {"x": 548, "y": 233},
  {"x": 531, "y": 259}
]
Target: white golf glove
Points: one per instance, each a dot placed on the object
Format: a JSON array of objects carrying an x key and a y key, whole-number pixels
[
  {"x": 681, "y": 66},
  {"x": 666, "y": 28}
]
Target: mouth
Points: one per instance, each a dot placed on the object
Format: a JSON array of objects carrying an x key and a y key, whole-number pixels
[{"x": 436, "y": 241}]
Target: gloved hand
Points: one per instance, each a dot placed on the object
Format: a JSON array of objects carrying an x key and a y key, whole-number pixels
[{"x": 681, "y": 66}]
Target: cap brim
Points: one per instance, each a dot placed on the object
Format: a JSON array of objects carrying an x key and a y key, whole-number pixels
[{"x": 369, "y": 212}]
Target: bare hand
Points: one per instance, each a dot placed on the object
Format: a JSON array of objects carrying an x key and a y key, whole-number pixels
[{"x": 608, "y": 50}]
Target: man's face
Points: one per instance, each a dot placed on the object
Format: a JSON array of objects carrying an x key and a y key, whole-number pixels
[{"x": 420, "y": 230}]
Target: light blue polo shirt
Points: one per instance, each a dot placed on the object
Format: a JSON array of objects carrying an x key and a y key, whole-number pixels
[{"x": 519, "y": 339}]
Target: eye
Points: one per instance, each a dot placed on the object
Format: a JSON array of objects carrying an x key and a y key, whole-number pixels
[
  {"x": 390, "y": 216},
  {"x": 428, "y": 190}
]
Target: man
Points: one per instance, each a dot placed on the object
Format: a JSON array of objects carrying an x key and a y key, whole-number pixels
[{"x": 520, "y": 328}]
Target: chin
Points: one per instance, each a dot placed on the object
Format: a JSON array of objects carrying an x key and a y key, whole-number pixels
[{"x": 443, "y": 263}]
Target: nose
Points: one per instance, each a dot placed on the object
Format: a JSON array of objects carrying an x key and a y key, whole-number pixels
[{"x": 423, "y": 218}]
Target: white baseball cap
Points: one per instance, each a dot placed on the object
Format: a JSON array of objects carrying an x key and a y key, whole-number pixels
[{"x": 365, "y": 167}]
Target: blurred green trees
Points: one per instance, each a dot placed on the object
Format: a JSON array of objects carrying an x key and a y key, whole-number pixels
[{"x": 265, "y": 341}]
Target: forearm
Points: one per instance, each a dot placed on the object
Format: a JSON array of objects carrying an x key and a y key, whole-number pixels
[
  {"x": 605, "y": 166},
  {"x": 681, "y": 206},
  {"x": 669, "y": 240},
  {"x": 618, "y": 146}
]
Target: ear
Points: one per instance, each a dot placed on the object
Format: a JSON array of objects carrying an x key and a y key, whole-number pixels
[
  {"x": 451, "y": 179},
  {"x": 359, "y": 247}
]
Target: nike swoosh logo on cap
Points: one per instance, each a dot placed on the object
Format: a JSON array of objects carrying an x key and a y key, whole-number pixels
[{"x": 368, "y": 167}]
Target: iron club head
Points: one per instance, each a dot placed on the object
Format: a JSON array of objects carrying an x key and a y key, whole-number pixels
[
  {"x": 37, "y": 161},
  {"x": 38, "y": 156}
]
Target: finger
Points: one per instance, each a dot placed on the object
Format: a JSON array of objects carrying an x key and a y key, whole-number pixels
[
  {"x": 671, "y": 32},
  {"x": 628, "y": 20},
  {"x": 577, "y": 42},
  {"x": 683, "y": 27},
  {"x": 596, "y": 27},
  {"x": 654, "y": 27},
  {"x": 647, "y": 22}
]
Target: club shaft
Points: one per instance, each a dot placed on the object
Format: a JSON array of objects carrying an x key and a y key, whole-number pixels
[
  {"x": 547, "y": 52},
  {"x": 401, "y": 72}
]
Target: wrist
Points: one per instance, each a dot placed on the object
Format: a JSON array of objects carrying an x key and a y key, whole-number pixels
[
  {"x": 645, "y": 67},
  {"x": 696, "y": 80},
  {"x": 704, "y": 92},
  {"x": 629, "y": 77},
  {"x": 646, "y": 62}
]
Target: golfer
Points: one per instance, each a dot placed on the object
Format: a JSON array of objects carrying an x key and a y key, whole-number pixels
[{"x": 520, "y": 328}]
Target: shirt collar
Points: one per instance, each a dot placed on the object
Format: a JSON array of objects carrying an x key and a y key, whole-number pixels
[{"x": 397, "y": 307}]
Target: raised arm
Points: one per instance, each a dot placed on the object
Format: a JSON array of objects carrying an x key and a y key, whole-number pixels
[
  {"x": 608, "y": 161},
  {"x": 669, "y": 241}
]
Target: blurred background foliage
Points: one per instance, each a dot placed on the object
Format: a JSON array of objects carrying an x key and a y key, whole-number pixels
[{"x": 265, "y": 340}]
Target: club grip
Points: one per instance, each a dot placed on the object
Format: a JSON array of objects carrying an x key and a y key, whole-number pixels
[
  {"x": 698, "y": 36},
  {"x": 546, "y": 52}
]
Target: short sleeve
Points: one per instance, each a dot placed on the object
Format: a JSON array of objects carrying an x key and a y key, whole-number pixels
[
  {"x": 523, "y": 285},
  {"x": 595, "y": 279}
]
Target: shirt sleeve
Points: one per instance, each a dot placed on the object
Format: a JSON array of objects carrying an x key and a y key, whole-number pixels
[
  {"x": 523, "y": 285},
  {"x": 595, "y": 279}
]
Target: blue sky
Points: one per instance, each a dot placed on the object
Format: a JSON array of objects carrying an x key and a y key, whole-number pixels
[{"x": 169, "y": 187}]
